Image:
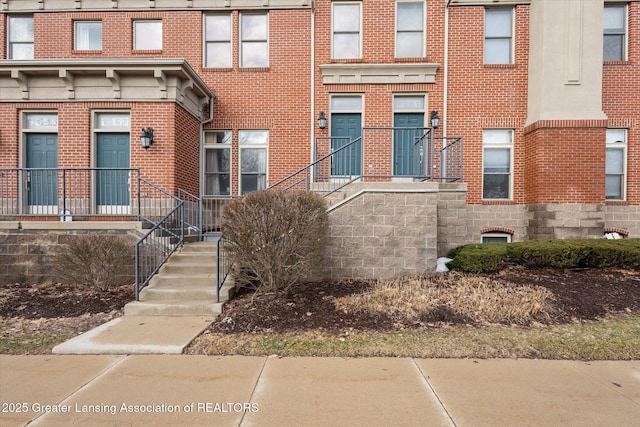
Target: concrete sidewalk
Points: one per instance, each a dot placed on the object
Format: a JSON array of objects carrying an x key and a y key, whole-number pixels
[{"x": 158, "y": 390}]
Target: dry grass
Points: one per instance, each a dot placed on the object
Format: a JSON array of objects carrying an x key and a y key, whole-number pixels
[{"x": 479, "y": 299}]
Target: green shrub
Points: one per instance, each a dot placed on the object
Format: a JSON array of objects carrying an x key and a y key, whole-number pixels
[
  {"x": 570, "y": 253},
  {"x": 275, "y": 238},
  {"x": 96, "y": 260}
]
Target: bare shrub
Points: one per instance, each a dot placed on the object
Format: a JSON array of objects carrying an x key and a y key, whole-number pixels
[
  {"x": 96, "y": 260},
  {"x": 275, "y": 238},
  {"x": 480, "y": 299}
]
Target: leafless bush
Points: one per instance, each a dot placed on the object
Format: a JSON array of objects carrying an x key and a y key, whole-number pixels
[
  {"x": 96, "y": 260},
  {"x": 480, "y": 299},
  {"x": 275, "y": 238}
]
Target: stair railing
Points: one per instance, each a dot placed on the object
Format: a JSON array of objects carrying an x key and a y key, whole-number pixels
[{"x": 331, "y": 172}]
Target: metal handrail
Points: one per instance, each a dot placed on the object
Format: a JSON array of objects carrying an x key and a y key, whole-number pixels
[
  {"x": 304, "y": 174},
  {"x": 161, "y": 241}
]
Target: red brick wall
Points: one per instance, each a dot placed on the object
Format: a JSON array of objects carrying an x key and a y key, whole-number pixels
[
  {"x": 186, "y": 152},
  {"x": 486, "y": 96},
  {"x": 621, "y": 101},
  {"x": 565, "y": 164},
  {"x": 378, "y": 46}
]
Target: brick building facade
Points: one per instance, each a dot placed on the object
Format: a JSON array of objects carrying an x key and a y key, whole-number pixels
[{"x": 544, "y": 95}]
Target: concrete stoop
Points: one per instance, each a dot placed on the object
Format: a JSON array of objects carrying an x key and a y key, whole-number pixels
[
  {"x": 184, "y": 286},
  {"x": 179, "y": 303}
]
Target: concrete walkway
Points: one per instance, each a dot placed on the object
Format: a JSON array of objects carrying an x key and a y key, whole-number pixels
[{"x": 178, "y": 390}]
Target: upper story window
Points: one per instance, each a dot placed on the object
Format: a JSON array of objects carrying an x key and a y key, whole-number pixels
[
  {"x": 615, "y": 164},
  {"x": 497, "y": 158},
  {"x": 254, "y": 40},
  {"x": 410, "y": 29},
  {"x": 87, "y": 35},
  {"x": 217, "y": 33},
  {"x": 147, "y": 35},
  {"x": 20, "y": 36},
  {"x": 346, "y": 24},
  {"x": 615, "y": 32},
  {"x": 498, "y": 36}
]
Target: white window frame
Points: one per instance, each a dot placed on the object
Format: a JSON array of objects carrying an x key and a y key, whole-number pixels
[
  {"x": 334, "y": 32},
  {"x": 625, "y": 30},
  {"x": 422, "y": 31},
  {"x": 498, "y": 234},
  {"x": 215, "y": 145},
  {"x": 511, "y": 38},
  {"x": 243, "y": 42},
  {"x": 11, "y": 43},
  {"x": 207, "y": 42},
  {"x": 493, "y": 145},
  {"x": 150, "y": 47},
  {"x": 75, "y": 34},
  {"x": 615, "y": 144},
  {"x": 242, "y": 147}
]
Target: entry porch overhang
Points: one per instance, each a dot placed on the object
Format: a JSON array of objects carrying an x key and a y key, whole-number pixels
[{"x": 101, "y": 80}]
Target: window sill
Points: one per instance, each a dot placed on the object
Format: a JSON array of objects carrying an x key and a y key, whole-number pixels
[
  {"x": 616, "y": 203},
  {"x": 498, "y": 202},
  {"x": 617, "y": 63},
  {"x": 218, "y": 69},
  {"x": 507, "y": 66},
  {"x": 254, "y": 70},
  {"x": 86, "y": 52},
  {"x": 346, "y": 61},
  {"x": 144, "y": 51},
  {"x": 416, "y": 59}
]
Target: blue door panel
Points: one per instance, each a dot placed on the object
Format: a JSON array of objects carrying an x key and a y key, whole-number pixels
[
  {"x": 112, "y": 187},
  {"x": 404, "y": 141},
  {"x": 346, "y": 127},
  {"x": 42, "y": 185}
]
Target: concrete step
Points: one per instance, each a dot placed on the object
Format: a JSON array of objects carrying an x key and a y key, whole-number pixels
[
  {"x": 187, "y": 269},
  {"x": 173, "y": 308},
  {"x": 198, "y": 247},
  {"x": 192, "y": 258}
]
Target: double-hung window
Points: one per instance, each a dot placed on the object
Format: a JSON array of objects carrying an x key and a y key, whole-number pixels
[
  {"x": 87, "y": 35},
  {"x": 615, "y": 32},
  {"x": 346, "y": 23},
  {"x": 217, "y": 168},
  {"x": 497, "y": 158},
  {"x": 410, "y": 29},
  {"x": 254, "y": 40},
  {"x": 20, "y": 37},
  {"x": 616, "y": 164},
  {"x": 217, "y": 33},
  {"x": 498, "y": 36},
  {"x": 147, "y": 35},
  {"x": 253, "y": 160}
]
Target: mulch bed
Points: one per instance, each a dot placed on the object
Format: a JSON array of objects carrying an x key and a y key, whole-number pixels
[{"x": 579, "y": 295}]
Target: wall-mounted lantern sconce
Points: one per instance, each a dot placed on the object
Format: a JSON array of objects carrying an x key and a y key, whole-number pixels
[
  {"x": 435, "y": 119},
  {"x": 146, "y": 138},
  {"x": 322, "y": 120}
]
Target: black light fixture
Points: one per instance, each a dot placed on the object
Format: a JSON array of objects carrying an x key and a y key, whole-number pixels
[
  {"x": 146, "y": 138},
  {"x": 435, "y": 119},
  {"x": 322, "y": 120}
]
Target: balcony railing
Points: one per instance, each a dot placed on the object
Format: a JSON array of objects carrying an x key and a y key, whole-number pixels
[{"x": 413, "y": 153}]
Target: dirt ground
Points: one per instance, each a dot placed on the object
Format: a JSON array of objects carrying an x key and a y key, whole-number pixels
[{"x": 33, "y": 309}]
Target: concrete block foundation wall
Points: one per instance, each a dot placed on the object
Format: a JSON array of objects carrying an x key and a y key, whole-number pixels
[{"x": 27, "y": 249}]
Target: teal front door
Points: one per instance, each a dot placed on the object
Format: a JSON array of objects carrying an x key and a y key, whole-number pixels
[
  {"x": 42, "y": 185},
  {"x": 112, "y": 186},
  {"x": 346, "y": 127},
  {"x": 404, "y": 141}
]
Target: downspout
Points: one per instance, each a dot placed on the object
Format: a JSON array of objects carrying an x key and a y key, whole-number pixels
[
  {"x": 445, "y": 89},
  {"x": 313, "y": 81},
  {"x": 446, "y": 71},
  {"x": 201, "y": 166}
]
